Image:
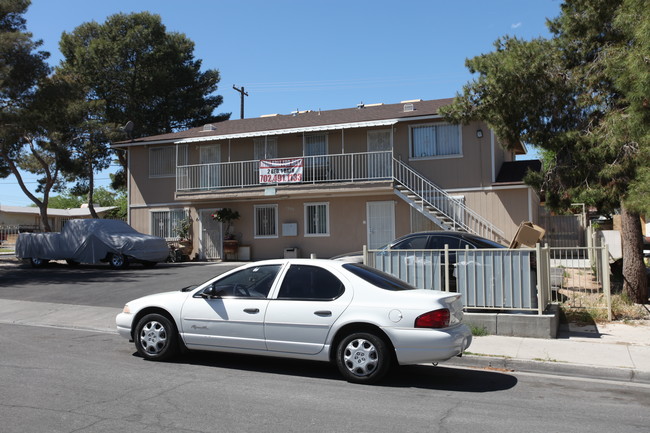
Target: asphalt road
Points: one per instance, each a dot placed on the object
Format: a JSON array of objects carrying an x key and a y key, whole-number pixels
[{"x": 56, "y": 380}]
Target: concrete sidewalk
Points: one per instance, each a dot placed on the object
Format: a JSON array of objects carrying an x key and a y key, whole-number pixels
[{"x": 612, "y": 351}]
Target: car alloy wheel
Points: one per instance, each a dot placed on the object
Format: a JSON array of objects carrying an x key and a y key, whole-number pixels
[
  {"x": 156, "y": 337},
  {"x": 363, "y": 358}
]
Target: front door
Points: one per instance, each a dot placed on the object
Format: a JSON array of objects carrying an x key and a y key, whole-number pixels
[
  {"x": 211, "y": 236},
  {"x": 210, "y": 174},
  {"x": 380, "y": 217},
  {"x": 379, "y": 163}
]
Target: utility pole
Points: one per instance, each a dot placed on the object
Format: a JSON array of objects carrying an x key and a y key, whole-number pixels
[{"x": 243, "y": 93}]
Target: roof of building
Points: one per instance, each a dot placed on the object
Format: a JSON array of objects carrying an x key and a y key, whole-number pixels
[
  {"x": 514, "y": 171},
  {"x": 363, "y": 116},
  {"x": 75, "y": 212},
  {"x": 301, "y": 121}
]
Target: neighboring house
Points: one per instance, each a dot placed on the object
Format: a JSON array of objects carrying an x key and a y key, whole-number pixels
[
  {"x": 328, "y": 182},
  {"x": 29, "y": 218}
]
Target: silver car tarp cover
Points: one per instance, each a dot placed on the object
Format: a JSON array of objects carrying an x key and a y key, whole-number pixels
[{"x": 90, "y": 241}]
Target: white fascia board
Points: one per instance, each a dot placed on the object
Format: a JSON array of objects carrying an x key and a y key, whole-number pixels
[{"x": 320, "y": 128}]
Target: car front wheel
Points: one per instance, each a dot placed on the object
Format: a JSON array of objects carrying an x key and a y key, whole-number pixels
[
  {"x": 156, "y": 337},
  {"x": 38, "y": 263},
  {"x": 363, "y": 358}
]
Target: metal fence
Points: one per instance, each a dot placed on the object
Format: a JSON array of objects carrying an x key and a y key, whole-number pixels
[
  {"x": 506, "y": 279},
  {"x": 580, "y": 277},
  {"x": 9, "y": 234}
]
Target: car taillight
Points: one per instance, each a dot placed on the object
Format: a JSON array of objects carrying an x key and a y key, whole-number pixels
[{"x": 433, "y": 319}]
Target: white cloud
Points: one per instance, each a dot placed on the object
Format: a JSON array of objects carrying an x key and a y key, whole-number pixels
[{"x": 516, "y": 26}]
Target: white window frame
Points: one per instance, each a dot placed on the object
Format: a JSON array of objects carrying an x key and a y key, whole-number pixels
[
  {"x": 308, "y": 223},
  {"x": 270, "y": 207},
  {"x": 435, "y": 156}
]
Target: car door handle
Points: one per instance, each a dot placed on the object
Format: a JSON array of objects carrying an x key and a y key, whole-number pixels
[
  {"x": 251, "y": 310},
  {"x": 323, "y": 313}
]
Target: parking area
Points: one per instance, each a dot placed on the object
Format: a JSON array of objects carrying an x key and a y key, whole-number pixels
[{"x": 99, "y": 285}]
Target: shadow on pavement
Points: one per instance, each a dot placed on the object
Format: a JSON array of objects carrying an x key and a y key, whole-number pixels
[
  {"x": 414, "y": 376},
  {"x": 568, "y": 331}
]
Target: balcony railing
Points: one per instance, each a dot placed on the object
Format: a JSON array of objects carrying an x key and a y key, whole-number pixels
[{"x": 347, "y": 167}]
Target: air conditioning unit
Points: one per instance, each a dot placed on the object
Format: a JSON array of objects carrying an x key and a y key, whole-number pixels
[
  {"x": 409, "y": 107},
  {"x": 209, "y": 127}
]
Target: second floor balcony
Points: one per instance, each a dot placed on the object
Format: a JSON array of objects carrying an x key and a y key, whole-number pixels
[{"x": 346, "y": 167}]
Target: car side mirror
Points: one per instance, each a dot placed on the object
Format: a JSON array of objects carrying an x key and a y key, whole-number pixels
[{"x": 211, "y": 292}]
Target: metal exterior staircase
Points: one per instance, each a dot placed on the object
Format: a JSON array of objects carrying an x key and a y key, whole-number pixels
[{"x": 437, "y": 205}]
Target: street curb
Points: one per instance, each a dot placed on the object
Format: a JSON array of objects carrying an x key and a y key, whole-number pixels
[{"x": 556, "y": 368}]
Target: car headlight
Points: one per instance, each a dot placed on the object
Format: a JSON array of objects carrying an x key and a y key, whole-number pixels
[{"x": 126, "y": 309}]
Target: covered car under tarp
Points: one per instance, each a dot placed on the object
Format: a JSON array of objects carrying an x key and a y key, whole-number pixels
[{"x": 93, "y": 241}]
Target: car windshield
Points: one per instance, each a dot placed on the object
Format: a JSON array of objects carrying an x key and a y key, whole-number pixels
[{"x": 377, "y": 278}]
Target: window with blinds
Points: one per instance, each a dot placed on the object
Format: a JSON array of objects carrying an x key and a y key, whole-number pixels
[
  {"x": 428, "y": 141},
  {"x": 266, "y": 221},
  {"x": 162, "y": 160},
  {"x": 265, "y": 148}
]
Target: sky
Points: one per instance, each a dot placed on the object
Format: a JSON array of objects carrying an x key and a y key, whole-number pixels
[{"x": 308, "y": 55}]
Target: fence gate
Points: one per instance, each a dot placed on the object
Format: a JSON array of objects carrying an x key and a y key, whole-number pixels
[{"x": 564, "y": 231}]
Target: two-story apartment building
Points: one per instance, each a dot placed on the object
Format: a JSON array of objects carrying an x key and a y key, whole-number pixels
[{"x": 328, "y": 182}]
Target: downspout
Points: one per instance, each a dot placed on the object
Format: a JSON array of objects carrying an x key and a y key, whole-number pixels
[{"x": 494, "y": 177}]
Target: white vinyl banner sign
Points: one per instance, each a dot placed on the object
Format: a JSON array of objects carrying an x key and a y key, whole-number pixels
[{"x": 281, "y": 170}]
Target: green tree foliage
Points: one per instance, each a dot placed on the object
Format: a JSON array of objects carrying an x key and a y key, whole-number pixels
[
  {"x": 22, "y": 98},
  {"x": 142, "y": 73},
  {"x": 103, "y": 198},
  {"x": 66, "y": 200},
  {"x": 21, "y": 66},
  {"x": 581, "y": 97}
]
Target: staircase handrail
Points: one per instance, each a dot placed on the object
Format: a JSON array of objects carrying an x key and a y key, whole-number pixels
[{"x": 434, "y": 196}]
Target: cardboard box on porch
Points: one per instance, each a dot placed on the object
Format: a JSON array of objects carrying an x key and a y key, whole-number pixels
[{"x": 528, "y": 234}]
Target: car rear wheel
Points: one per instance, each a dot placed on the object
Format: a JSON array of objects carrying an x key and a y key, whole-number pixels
[
  {"x": 363, "y": 358},
  {"x": 118, "y": 261},
  {"x": 156, "y": 337}
]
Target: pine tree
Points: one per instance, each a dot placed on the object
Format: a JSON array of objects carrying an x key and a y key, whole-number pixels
[{"x": 581, "y": 97}]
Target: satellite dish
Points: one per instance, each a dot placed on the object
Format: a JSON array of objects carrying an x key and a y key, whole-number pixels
[{"x": 128, "y": 129}]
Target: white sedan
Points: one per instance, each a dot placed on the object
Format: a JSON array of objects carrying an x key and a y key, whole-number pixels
[{"x": 357, "y": 317}]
